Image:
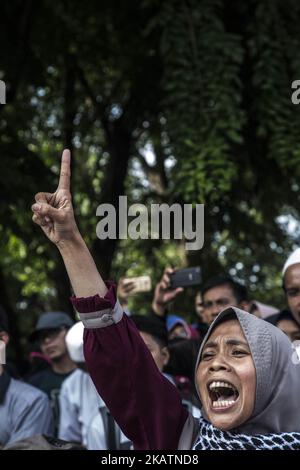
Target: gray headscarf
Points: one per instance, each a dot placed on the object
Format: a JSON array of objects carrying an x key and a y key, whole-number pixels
[{"x": 277, "y": 404}]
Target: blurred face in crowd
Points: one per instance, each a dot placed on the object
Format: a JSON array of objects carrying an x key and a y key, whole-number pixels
[
  {"x": 199, "y": 306},
  {"x": 178, "y": 332},
  {"x": 52, "y": 343},
  {"x": 292, "y": 290},
  {"x": 159, "y": 353},
  {"x": 226, "y": 377},
  {"x": 290, "y": 328},
  {"x": 217, "y": 299}
]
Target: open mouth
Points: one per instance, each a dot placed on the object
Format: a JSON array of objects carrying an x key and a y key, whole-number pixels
[{"x": 223, "y": 395}]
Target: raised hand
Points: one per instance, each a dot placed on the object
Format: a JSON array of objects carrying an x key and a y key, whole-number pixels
[
  {"x": 163, "y": 294},
  {"x": 123, "y": 291},
  {"x": 54, "y": 211}
]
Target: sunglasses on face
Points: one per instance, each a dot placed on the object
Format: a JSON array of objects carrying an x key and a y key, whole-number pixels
[
  {"x": 49, "y": 334},
  {"x": 294, "y": 292}
]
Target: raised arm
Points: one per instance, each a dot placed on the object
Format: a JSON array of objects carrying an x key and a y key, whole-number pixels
[
  {"x": 54, "y": 213},
  {"x": 146, "y": 406}
]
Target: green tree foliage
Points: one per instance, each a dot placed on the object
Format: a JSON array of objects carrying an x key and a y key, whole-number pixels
[{"x": 203, "y": 87}]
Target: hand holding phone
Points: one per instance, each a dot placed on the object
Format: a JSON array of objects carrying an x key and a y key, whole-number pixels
[
  {"x": 137, "y": 284},
  {"x": 185, "y": 277},
  {"x": 163, "y": 294}
]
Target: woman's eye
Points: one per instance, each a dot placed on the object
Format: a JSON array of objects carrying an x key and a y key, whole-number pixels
[
  {"x": 206, "y": 356},
  {"x": 239, "y": 352}
]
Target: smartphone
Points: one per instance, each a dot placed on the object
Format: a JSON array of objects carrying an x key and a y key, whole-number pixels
[
  {"x": 186, "y": 277},
  {"x": 141, "y": 284}
]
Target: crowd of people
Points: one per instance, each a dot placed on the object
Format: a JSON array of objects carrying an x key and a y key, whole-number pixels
[{"x": 119, "y": 380}]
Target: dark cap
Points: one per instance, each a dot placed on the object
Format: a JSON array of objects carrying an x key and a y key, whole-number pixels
[
  {"x": 3, "y": 320},
  {"x": 49, "y": 321},
  {"x": 151, "y": 326}
]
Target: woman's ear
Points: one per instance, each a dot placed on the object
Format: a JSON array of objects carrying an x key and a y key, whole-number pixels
[{"x": 166, "y": 355}]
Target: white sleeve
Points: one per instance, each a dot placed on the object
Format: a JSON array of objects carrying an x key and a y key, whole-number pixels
[
  {"x": 96, "y": 439},
  {"x": 69, "y": 425}
]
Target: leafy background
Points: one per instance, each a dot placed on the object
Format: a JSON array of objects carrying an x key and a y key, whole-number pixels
[{"x": 178, "y": 101}]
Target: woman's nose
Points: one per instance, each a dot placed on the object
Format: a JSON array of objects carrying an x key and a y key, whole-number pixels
[{"x": 219, "y": 363}]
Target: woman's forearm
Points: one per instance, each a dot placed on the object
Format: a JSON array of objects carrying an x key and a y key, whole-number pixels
[{"x": 82, "y": 271}]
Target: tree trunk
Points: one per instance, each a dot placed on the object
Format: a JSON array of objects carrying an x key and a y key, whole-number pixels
[{"x": 119, "y": 143}]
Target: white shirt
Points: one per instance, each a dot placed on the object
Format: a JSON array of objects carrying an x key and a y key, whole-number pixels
[
  {"x": 80, "y": 416},
  {"x": 96, "y": 436},
  {"x": 79, "y": 404}
]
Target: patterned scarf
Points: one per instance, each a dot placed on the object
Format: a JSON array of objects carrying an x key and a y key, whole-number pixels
[{"x": 211, "y": 438}]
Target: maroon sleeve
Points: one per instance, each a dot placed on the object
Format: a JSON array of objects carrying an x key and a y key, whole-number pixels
[{"x": 144, "y": 403}]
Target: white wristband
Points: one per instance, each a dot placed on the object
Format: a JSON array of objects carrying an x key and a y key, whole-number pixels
[{"x": 102, "y": 318}]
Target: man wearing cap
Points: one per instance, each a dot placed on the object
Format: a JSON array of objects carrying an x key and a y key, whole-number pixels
[
  {"x": 291, "y": 287},
  {"x": 24, "y": 410},
  {"x": 50, "y": 333}
]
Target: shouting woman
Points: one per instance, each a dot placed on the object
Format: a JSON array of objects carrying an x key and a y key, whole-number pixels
[{"x": 247, "y": 377}]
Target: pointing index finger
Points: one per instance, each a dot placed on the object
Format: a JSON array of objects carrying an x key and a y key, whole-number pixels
[{"x": 65, "y": 171}]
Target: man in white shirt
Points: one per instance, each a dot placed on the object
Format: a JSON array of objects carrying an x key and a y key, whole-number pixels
[{"x": 84, "y": 416}]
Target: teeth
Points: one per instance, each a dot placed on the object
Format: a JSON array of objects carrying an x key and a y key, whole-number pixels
[
  {"x": 219, "y": 384},
  {"x": 222, "y": 403}
]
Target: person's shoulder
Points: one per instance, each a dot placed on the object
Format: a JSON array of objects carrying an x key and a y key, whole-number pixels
[
  {"x": 26, "y": 393},
  {"x": 72, "y": 381}
]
